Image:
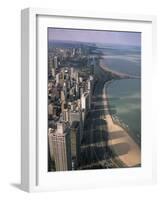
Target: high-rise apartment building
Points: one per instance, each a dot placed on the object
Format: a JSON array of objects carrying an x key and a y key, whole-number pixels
[
  {"x": 60, "y": 147},
  {"x": 75, "y": 143},
  {"x": 55, "y": 62},
  {"x": 57, "y": 78},
  {"x": 85, "y": 101}
]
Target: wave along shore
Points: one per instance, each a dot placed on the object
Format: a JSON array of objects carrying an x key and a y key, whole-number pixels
[{"x": 120, "y": 142}]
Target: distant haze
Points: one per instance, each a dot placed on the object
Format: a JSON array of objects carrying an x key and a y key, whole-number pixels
[{"x": 95, "y": 36}]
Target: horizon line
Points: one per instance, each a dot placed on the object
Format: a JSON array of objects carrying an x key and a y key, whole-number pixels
[{"x": 52, "y": 40}]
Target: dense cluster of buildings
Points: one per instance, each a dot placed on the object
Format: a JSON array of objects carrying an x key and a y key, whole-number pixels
[{"x": 69, "y": 102}]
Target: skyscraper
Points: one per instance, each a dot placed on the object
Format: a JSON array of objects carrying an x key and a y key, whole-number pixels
[
  {"x": 55, "y": 62},
  {"x": 85, "y": 101},
  {"x": 60, "y": 147},
  {"x": 57, "y": 78},
  {"x": 50, "y": 110},
  {"x": 66, "y": 115},
  {"x": 75, "y": 142},
  {"x": 53, "y": 72}
]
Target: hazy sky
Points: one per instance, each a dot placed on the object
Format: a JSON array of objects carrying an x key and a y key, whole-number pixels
[{"x": 127, "y": 38}]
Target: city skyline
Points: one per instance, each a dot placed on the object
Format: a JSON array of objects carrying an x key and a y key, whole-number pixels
[
  {"x": 95, "y": 36},
  {"x": 93, "y": 123}
]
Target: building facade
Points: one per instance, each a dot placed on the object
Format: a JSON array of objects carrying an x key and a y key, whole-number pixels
[
  {"x": 60, "y": 147},
  {"x": 75, "y": 143}
]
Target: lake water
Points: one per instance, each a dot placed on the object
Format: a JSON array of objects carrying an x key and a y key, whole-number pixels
[
  {"x": 125, "y": 95},
  {"x": 125, "y": 102}
]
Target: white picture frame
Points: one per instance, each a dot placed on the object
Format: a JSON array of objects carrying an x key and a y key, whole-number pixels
[{"x": 33, "y": 175}]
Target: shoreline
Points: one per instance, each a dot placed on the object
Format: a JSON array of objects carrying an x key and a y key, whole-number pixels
[
  {"x": 120, "y": 141},
  {"x": 122, "y": 75},
  {"x": 118, "y": 121},
  {"x": 106, "y": 68}
]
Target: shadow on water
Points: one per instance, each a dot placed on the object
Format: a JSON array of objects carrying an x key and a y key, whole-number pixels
[
  {"x": 101, "y": 107},
  {"x": 113, "y": 111},
  {"x": 105, "y": 98}
]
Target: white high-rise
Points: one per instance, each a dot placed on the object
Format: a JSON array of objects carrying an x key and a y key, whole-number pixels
[
  {"x": 57, "y": 78},
  {"x": 55, "y": 62},
  {"x": 85, "y": 101}
]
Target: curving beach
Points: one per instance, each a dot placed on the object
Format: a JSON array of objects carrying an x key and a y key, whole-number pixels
[
  {"x": 116, "y": 73},
  {"x": 120, "y": 142}
]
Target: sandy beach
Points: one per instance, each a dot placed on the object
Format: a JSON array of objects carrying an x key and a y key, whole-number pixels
[
  {"x": 104, "y": 67},
  {"x": 121, "y": 143}
]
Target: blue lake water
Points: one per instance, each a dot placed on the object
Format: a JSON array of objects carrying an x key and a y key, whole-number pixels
[
  {"x": 125, "y": 95},
  {"x": 125, "y": 101}
]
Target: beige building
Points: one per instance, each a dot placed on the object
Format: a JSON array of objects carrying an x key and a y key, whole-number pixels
[
  {"x": 51, "y": 110},
  {"x": 60, "y": 147},
  {"x": 55, "y": 62},
  {"x": 66, "y": 115}
]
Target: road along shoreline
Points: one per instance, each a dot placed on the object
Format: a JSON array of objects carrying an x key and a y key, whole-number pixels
[{"x": 119, "y": 140}]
